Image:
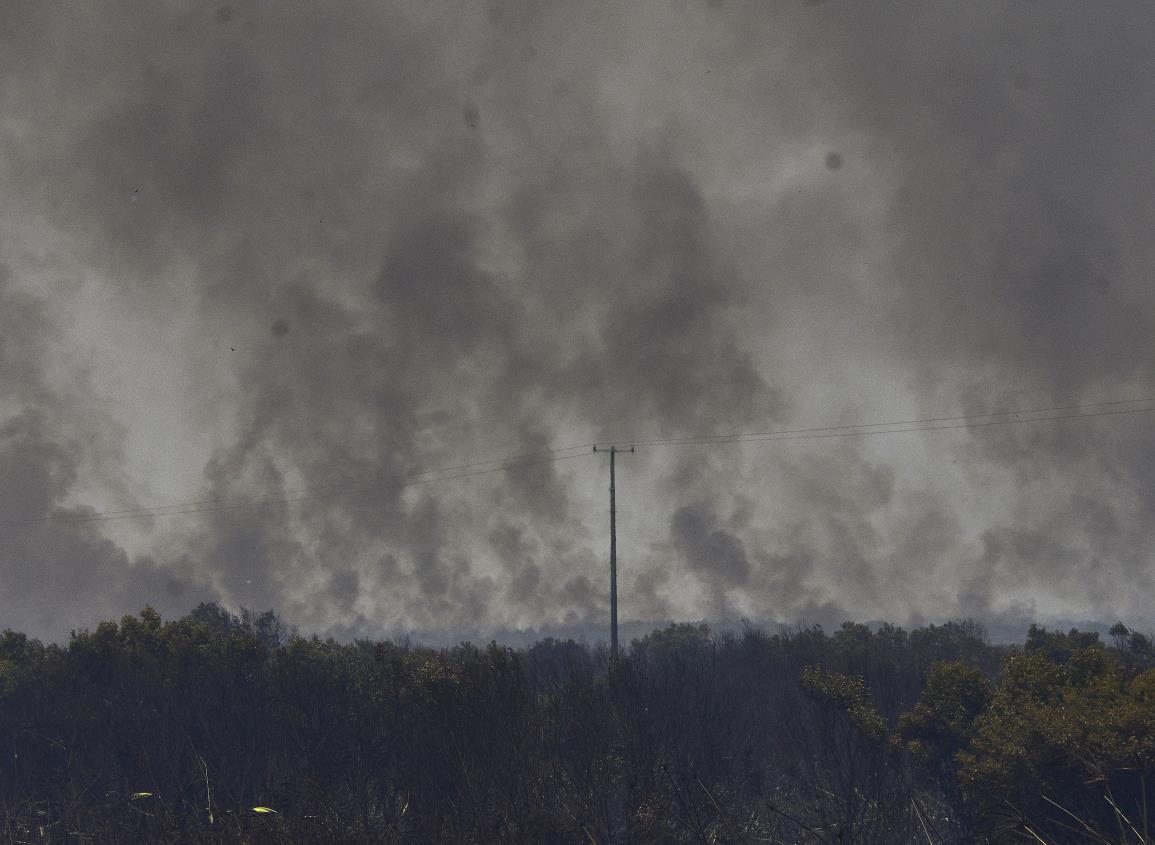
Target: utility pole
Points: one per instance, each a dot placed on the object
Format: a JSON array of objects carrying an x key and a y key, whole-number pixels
[{"x": 613, "y": 450}]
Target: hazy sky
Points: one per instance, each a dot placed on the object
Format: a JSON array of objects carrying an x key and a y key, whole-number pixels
[{"x": 255, "y": 248}]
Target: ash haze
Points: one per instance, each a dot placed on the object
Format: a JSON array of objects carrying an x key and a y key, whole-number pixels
[{"x": 251, "y": 248}]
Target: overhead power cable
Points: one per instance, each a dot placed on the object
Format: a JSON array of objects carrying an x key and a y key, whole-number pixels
[
  {"x": 862, "y": 431},
  {"x": 307, "y": 493},
  {"x": 545, "y": 456},
  {"x": 965, "y": 419}
]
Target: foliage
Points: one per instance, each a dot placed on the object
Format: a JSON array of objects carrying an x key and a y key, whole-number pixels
[
  {"x": 1058, "y": 749},
  {"x": 848, "y": 695},
  {"x": 940, "y": 724},
  {"x": 223, "y": 727}
]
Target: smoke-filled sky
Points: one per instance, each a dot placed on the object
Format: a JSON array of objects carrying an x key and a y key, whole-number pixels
[{"x": 253, "y": 249}]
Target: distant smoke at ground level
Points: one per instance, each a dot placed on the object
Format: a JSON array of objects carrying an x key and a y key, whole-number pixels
[{"x": 998, "y": 630}]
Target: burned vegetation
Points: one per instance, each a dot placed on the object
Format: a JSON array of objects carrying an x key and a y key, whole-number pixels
[{"x": 225, "y": 728}]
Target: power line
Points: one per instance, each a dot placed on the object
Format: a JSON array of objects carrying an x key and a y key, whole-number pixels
[
  {"x": 924, "y": 421},
  {"x": 339, "y": 488},
  {"x": 843, "y": 431},
  {"x": 304, "y": 494},
  {"x": 468, "y": 470}
]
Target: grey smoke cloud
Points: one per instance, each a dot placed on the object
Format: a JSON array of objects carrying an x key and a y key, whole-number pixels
[
  {"x": 57, "y": 574},
  {"x": 711, "y": 551},
  {"x": 258, "y": 249}
]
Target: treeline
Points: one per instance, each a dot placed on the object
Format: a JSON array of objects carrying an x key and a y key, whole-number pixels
[{"x": 219, "y": 728}]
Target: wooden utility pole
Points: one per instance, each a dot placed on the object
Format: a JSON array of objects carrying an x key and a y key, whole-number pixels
[{"x": 613, "y": 450}]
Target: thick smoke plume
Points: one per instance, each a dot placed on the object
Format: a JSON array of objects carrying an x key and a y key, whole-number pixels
[{"x": 299, "y": 251}]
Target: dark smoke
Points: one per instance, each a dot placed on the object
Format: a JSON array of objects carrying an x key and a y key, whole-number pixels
[{"x": 353, "y": 242}]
